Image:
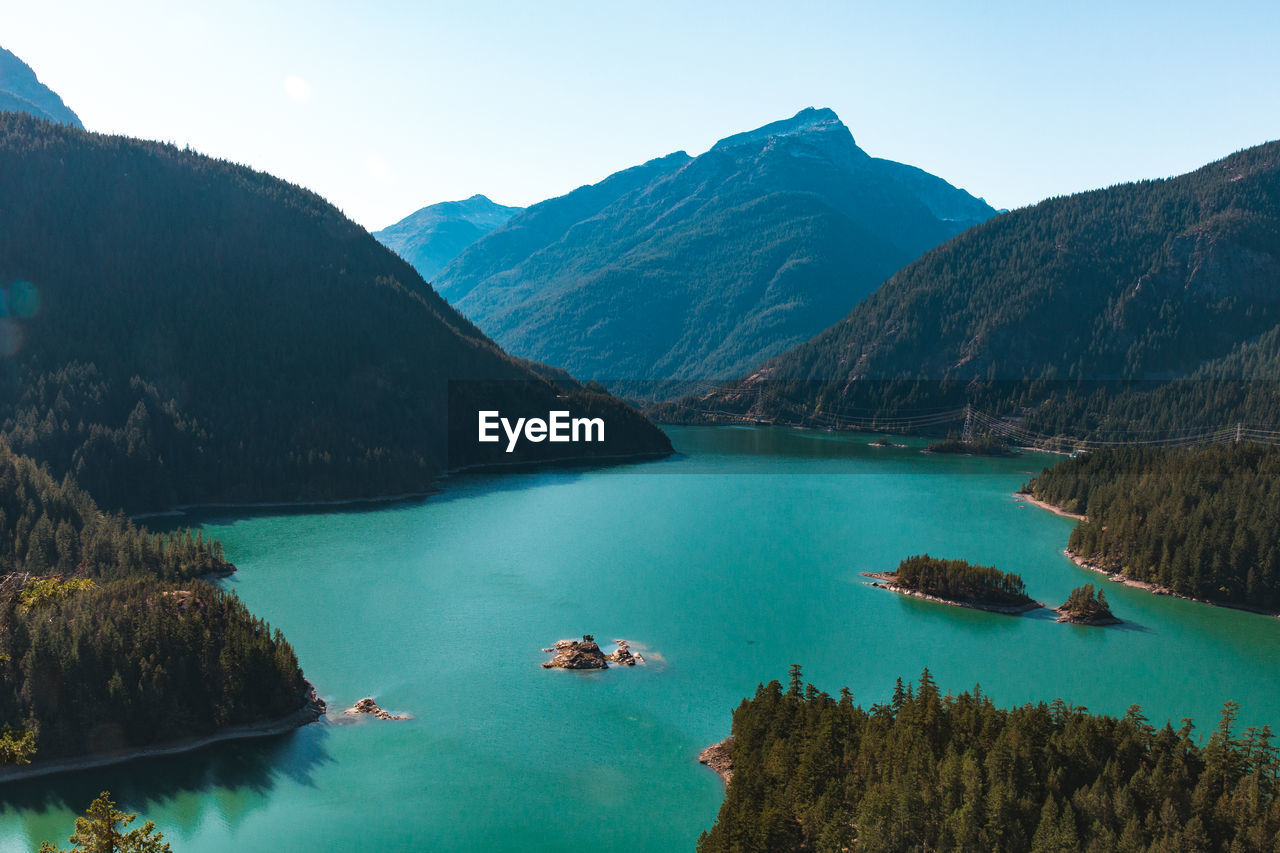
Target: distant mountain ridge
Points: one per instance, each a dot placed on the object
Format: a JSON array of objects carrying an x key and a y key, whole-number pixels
[
  {"x": 433, "y": 236},
  {"x": 22, "y": 92},
  {"x": 1143, "y": 282},
  {"x": 690, "y": 268}
]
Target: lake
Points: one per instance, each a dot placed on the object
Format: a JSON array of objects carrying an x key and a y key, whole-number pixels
[{"x": 724, "y": 564}]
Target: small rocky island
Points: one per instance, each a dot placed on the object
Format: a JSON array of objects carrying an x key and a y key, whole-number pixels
[
  {"x": 1084, "y": 607},
  {"x": 586, "y": 654},
  {"x": 959, "y": 583},
  {"x": 370, "y": 707}
]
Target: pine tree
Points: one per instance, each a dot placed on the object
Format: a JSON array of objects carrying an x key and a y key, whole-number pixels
[{"x": 101, "y": 830}]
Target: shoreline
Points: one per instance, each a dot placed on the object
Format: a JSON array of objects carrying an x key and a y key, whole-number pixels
[
  {"x": 1004, "y": 609},
  {"x": 479, "y": 468},
  {"x": 1034, "y": 501},
  {"x": 1148, "y": 586},
  {"x": 719, "y": 757},
  {"x": 1157, "y": 589},
  {"x": 568, "y": 461},
  {"x": 184, "y": 509},
  {"x": 312, "y": 710},
  {"x": 748, "y": 421}
]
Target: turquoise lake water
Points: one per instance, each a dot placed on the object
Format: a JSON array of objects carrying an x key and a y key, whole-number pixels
[{"x": 724, "y": 564}]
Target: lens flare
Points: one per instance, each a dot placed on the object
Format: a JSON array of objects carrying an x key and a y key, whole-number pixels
[
  {"x": 24, "y": 299},
  {"x": 10, "y": 338}
]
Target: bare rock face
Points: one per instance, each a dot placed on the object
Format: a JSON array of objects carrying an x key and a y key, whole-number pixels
[
  {"x": 719, "y": 757},
  {"x": 572, "y": 654},
  {"x": 370, "y": 707},
  {"x": 623, "y": 655}
]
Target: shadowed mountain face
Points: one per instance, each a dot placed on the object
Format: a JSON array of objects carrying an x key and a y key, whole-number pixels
[
  {"x": 689, "y": 268},
  {"x": 1150, "y": 281},
  {"x": 176, "y": 329},
  {"x": 433, "y": 236},
  {"x": 22, "y": 92}
]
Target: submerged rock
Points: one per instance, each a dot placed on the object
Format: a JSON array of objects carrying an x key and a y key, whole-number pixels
[{"x": 370, "y": 707}]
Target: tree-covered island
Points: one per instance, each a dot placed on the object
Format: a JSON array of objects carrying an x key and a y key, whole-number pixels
[
  {"x": 958, "y": 582},
  {"x": 1084, "y": 607}
]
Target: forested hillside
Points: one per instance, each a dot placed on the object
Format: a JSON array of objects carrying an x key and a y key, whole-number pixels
[
  {"x": 109, "y": 640},
  {"x": 1202, "y": 522},
  {"x": 934, "y": 772},
  {"x": 177, "y": 329},
  {"x": 1069, "y": 300},
  {"x": 690, "y": 268}
]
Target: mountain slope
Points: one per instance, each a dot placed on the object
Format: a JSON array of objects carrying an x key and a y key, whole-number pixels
[
  {"x": 432, "y": 237},
  {"x": 22, "y": 92},
  {"x": 1147, "y": 281},
  {"x": 182, "y": 330},
  {"x": 689, "y": 268}
]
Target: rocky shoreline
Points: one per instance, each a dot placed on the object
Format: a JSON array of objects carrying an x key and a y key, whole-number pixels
[
  {"x": 1034, "y": 501},
  {"x": 313, "y": 709},
  {"x": 884, "y": 580},
  {"x": 1117, "y": 577},
  {"x": 719, "y": 757},
  {"x": 1157, "y": 589}
]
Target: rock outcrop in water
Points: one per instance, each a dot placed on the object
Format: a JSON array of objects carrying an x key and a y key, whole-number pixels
[
  {"x": 719, "y": 757},
  {"x": 370, "y": 707},
  {"x": 624, "y": 656},
  {"x": 572, "y": 654},
  {"x": 586, "y": 654}
]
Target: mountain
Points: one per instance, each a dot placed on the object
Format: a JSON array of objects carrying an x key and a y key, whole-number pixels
[
  {"x": 689, "y": 268},
  {"x": 433, "y": 236},
  {"x": 176, "y": 329},
  {"x": 22, "y": 92},
  {"x": 1127, "y": 287}
]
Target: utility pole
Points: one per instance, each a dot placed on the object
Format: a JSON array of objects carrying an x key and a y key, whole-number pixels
[{"x": 1237, "y": 432}]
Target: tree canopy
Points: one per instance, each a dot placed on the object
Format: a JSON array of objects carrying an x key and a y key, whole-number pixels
[
  {"x": 1200, "y": 521},
  {"x": 928, "y": 771}
]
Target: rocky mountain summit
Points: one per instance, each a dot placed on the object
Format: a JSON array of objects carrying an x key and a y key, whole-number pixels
[{"x": 691, "y": 268}]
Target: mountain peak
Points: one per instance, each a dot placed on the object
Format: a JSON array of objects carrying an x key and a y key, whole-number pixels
[
  {"x": 22, "y": 92},
  {"x": 432, "y": 236},
  {"x": 810, "y": 121}
]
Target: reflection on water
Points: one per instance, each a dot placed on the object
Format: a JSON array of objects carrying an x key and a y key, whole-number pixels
[{"x": 223, "y": 782}]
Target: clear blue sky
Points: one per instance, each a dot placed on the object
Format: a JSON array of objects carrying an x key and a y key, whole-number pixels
[{"x": 386, "y": 106}]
